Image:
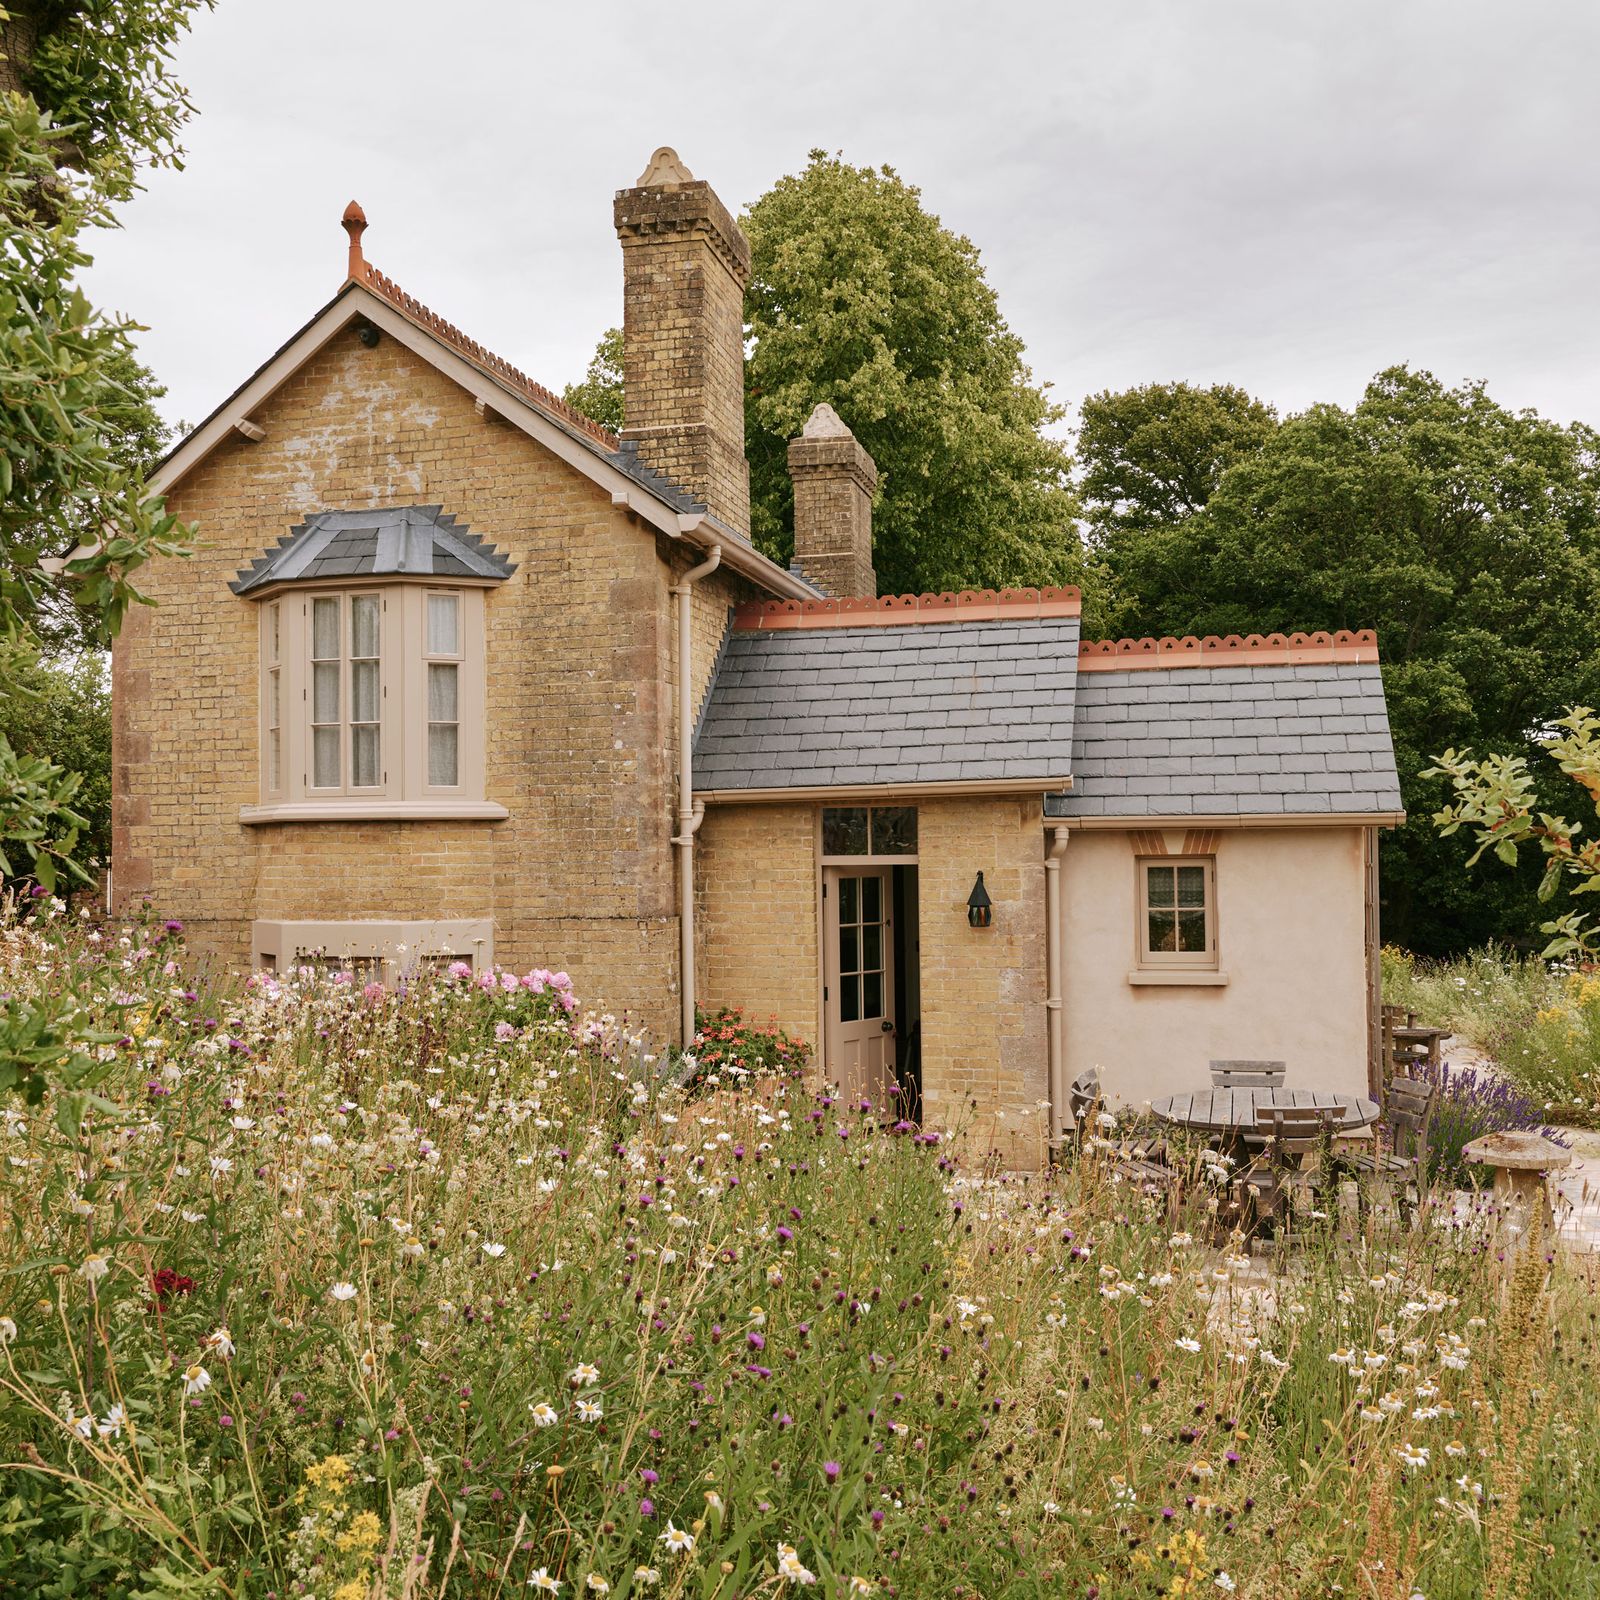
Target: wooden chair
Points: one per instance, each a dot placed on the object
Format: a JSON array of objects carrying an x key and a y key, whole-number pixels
[
  {"x": 1248, "y": 1074},
  {"x": 1407, "y": 1116},
  {"x": 1288, "y": 1134},
  {"x": 1138, "y": 1161}
]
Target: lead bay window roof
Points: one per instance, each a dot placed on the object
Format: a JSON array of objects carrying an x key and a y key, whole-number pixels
[{"x": 397, "y": 541}]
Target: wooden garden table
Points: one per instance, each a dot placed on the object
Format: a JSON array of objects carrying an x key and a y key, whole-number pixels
[{"x": 1231, "y": 1113}]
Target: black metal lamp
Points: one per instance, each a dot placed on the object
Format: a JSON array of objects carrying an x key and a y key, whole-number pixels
[{"x": 980, "y": 908}]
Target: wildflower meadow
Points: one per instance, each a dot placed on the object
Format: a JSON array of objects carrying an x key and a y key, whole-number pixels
[{"x": 326, "y": 1290}]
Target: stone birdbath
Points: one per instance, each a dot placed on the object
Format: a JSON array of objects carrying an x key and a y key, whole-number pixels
[{"x": 1521, "y": 1161}]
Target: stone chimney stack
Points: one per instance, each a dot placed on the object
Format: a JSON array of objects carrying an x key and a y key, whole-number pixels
[
  {"x": 833, "y": 483},
  {"x": 684, "y": 267}
]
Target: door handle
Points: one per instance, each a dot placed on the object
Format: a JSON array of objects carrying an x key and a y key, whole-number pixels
[{"x": 888, "y": 1026}]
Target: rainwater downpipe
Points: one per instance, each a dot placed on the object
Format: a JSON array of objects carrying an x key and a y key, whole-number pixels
[
  {"x": 690, "y": 814},
  {"x": 1054, "y": 1020}
]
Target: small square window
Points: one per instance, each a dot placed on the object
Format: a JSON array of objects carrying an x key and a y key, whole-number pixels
[
  {"x": 1177, "y": 912},
  {"x": 874, "y": 831}
]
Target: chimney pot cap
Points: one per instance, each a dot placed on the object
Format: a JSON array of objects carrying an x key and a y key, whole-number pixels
[
  {"x": 825, "y": 423},
  {"x": 664, "y": 167},
  {"x": 354, "y": 223}
]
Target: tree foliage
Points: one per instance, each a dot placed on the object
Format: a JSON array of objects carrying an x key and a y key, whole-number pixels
[
  {"x": 60, "y": 712},
  {"x": 1495, "y": 798},
  {"x": 860, "y": 297},
  {"x": 600, "y": 394},
  {"x": 87, "y": 101},
  {"x": 1464, "y": 533}
]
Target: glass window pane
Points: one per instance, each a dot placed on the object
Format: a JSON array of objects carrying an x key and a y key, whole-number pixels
[
  {"x": 872, "y": 995},
  {"x": 872, "y": 947},
  {"x": 274, "y": 759},
  {"x": 844, "y": 831},
  {"x": 849, "y": 999},
  {"x": 325, "y": 692},
  {"x": 442, "y": 754},
  {"x": 325, "y": 630},
  {"x": 444, "y": 625},
  {"x": 1159, "y": 885},
  {"x": 363, "y": 691},
  {"x": 894, "y": 830},
  {"x": 364, "y": 625},
  {"x": 442, "y": 693},
  {"x": 1192, "y": 931},
  {"x": 274, "y": 702},
  {"x": 364, "y": 757},
  {"x": 325, "y": 758},
  {"x": 849, "y": 900},
  {"x": 1191, "y": 886},
  {"x": 849, "y": 949},
  {"x": 872, "y": 899},
  {"x": 1162, "y": 934},
  {"x": 272, "y": 632}
]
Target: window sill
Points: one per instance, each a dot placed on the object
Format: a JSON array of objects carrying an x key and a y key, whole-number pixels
[
  {"x": 375, "y": 811},
  {"x": 1151, "y": 977}
]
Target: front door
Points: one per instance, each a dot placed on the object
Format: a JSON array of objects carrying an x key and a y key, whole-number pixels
[{"x": 859, "y": 980}]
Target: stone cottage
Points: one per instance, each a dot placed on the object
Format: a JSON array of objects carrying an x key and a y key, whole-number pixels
[{"x": 456, "y": 673}]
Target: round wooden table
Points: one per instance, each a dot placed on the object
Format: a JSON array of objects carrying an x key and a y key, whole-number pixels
[{"x": 1233, "y": 1111}]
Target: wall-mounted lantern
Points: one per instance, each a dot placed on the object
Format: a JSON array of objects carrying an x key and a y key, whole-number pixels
[{"x": 980, "y": 908}]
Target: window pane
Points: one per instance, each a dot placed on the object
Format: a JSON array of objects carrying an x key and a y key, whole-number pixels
[
  {"x": 849, "y": 949},
  {"x": 442, "y": 693},
  {"x": 872, "y": 899},
  {"x": 872, "y": 995},
  {"x": 872, "y": 947},
  {"x": 325, "y": 630},
  {"x": 1162, "y": 934},
  {"x": 364, "y": 757},
  {"x": 1159, "y": 885},
  {"x": 442, "y": 756},
  {"x": 849, "y": 900},
  {"x": 1191, "y": 886},
  {"x": 1192, "y": 931},
  {"x": 844, "y": 831},
  {"x": 444, "y": 627},
  {"x": 325, "y": 758},
  {"x": 363, "y": 691},
  {"x": 325, "y": 692},
  {"x": 894, "y": 830},
  {"x": 272, "y": 632},
  {"x": 850, "y": 1000},
  {"x": 274, "y": 759},
  {"x": 364, "y": 625},
  {"x": 274, "y": 703}
]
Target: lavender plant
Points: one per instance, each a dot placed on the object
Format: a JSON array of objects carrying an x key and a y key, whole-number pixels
[{"x": 1471, "y": 1104}]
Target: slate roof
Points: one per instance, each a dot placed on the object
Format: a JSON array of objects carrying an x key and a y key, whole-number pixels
[
  {"x": 1231, "y": 740},
  {"x": 928, "y": 702},
  {"x": 411, "y": 540}
]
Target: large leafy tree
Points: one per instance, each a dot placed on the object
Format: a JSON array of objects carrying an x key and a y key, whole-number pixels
[
  {"x": 1464, "y": 533},
  {"x": 87, "y": 101},
  {"x": 860, "y": 297}
]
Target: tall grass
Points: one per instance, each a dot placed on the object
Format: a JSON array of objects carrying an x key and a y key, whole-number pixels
[
  {"x": 1537, "y": 1023},
  {"x": 343, "y": 1294}
]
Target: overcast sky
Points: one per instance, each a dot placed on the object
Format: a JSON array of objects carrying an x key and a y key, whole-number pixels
[{"x": 1284, "y": 194}]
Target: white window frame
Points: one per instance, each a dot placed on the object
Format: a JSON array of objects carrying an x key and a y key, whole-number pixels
[
  {"x": 1174, "y": 960},
  {"x": 403, "y": 790}
]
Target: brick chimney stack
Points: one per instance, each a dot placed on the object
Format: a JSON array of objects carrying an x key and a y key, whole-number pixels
[
  {"x": 684, "y": 267},
  {"x": 833, "y": 483}
]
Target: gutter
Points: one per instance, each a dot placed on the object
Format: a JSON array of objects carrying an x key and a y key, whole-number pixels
[
  {"x": 1054, "y": 963},
  {"x": 691, "y": 813}
]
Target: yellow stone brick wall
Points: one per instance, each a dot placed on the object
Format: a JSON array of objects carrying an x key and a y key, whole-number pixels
[
  {"x": 580, "y": 747},
  {"x": 983, "y": 990},
  {"x": 756, "y": 913}
]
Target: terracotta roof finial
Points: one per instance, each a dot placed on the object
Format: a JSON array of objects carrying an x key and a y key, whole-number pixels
[{"x": 354, "y": 223}]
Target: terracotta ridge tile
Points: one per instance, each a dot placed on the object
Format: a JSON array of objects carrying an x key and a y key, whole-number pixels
[
  {"x": 1246, "y": 650},
  {"x": 898, "y": 610},
  {"x": 368, "y": 276}
]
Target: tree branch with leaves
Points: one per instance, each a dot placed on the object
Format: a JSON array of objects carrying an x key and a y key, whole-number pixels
[{"x": 1495, "y": 801}]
